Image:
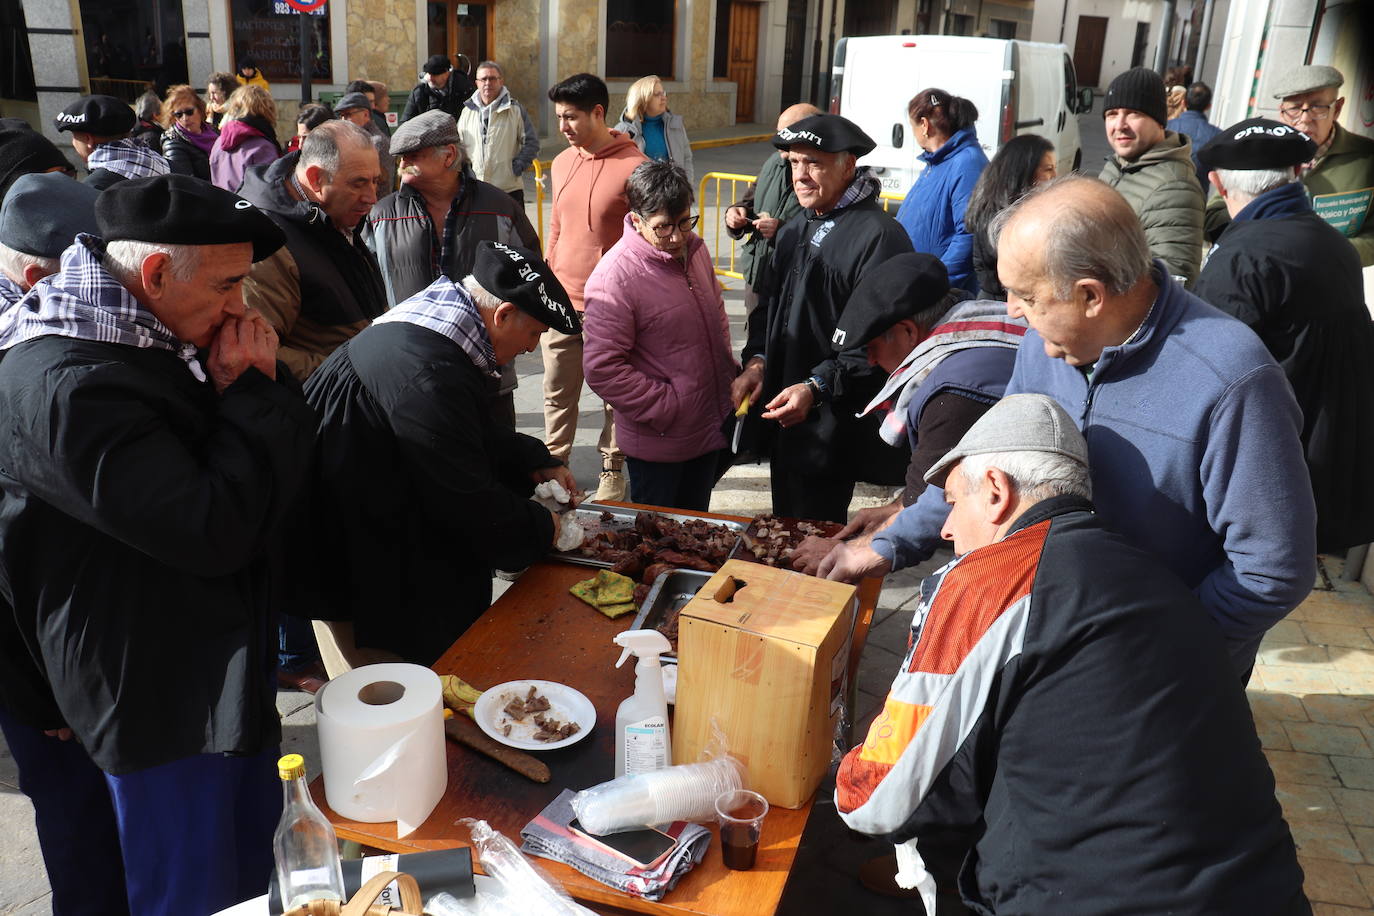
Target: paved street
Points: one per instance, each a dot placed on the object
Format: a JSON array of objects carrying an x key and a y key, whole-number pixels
[{"x": 1312, "y": 694}]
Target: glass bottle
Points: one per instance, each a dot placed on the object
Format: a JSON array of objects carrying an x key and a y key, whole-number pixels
[{"x": 306, "y": 850}]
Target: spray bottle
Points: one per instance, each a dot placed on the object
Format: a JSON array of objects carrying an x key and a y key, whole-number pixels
[{"x": 642, "y": 741}]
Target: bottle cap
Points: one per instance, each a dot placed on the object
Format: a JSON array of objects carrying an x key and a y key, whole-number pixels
[{"x": 291, "y": 766}]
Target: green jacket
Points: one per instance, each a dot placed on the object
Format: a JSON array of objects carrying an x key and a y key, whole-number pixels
[
  {"x": 770, "y": 193},
  {"x": 1161, "y": 186},
  {"x": 1341, "y": 188}
]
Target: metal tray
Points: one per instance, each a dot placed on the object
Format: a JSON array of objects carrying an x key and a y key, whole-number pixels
[
  {"x": 670, "y": 592},
  {"x": 589, "y": 516},
  {"x": 743, "y": 547}
]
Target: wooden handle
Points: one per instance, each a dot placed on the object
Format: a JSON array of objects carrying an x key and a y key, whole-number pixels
[
  {"x": 464, "y": 731},
  {"x": 362, "y": 902}
]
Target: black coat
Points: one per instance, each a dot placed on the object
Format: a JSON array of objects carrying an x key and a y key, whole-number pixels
[
  {"x": 418, "y": 493},
  {"x": 136, "y": 507},
  {"x": 816, "y": 265},
  {"x": 183, "y": 156},
  {"x": 1297, "y": 282}
]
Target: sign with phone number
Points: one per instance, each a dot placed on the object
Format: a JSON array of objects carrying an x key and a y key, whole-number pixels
[{"x": 292, "y": 7}]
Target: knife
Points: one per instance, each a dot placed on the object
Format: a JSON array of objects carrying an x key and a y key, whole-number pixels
[{"x": 462, "y": 730}]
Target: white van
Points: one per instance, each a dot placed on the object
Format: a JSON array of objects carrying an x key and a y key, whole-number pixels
[{"x": 1019, "y": 87}]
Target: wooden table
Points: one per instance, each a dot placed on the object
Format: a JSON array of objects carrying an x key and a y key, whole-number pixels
[{"x": 538, "y": 630}]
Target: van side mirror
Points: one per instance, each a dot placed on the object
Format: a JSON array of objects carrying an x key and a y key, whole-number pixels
[{"x": 1085, "y": 101}]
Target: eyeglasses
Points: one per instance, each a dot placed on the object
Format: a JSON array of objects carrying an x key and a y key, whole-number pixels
[
  {"x": 183, "y": 113},
  {"x": 488, "y": 79},
  {"x": 1295, "y": 112},
  {"x": 666, "y": 230}
]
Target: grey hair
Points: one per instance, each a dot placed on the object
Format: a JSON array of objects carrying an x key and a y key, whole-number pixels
[
  {"x": 492, "y": 65},
  {"x": 124, "y": 259},
  {"x": 1254, "y": 182},
  {"x": 480, "y": 297},
  {"x": 1036, "y": 475},
  {"x": 13, "y": 263},
  {"x": 322, "y": 146},
  {"x": 1085, "y": 242}
]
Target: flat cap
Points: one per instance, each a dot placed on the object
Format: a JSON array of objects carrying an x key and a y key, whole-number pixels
[
  {"x": 1017, "y": 423},
  {"x": 829, "y": 133},
  {"x": 42, "y": 214},
  {"x": 521, "y": 277},
  {"x": 101, "y": 115},
  {"x": 1306, "y": 78},
  {"x": 1257, "y": 143},
  {"x": 181, "y": 210},
  {"x": 433, "y": 128},
  {"x": 351, "y": 100},
  {"x": 898, "y": 288},
  {"x": 24, "y": 150},
  {"x": 436, "y": 64}
]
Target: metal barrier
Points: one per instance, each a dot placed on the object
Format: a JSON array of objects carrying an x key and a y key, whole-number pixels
[
  {"x": 540, "y": 169},
  {"x": 712, "y": 226},
  {"x": 887, "y": 197}
]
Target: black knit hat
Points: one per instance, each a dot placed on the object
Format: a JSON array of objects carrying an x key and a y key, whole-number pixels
[
  {"x": 1139, "y": 89},
  {"x": 437, "y": 63},
  {"x": 181, "y": 210},
  {"x": 24, "y": 150}
]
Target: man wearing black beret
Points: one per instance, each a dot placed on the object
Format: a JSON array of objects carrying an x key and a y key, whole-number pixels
[
  {"x": 24, "y": 151},
  {"x": 808, "y": 392},
  {"x": 1296, "y": 281},
  {"x": 39, "y": 218},
  {"x": 151, "y": 452},
  {"x": 948, "y": 359},
  {"x": 100, "y": 126},
  {"x": 419, "y": 493}
]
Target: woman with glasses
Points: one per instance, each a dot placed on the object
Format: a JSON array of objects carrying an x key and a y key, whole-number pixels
[
  {"x": 189, "y": 137},
  {"x": 656, "y": 343},
  {"x": 657, "y": 132}
]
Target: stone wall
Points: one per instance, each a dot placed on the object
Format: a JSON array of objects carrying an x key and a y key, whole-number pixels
[
  {"x": 381, "y": 43},
  {"x": 515, "y": 47}
]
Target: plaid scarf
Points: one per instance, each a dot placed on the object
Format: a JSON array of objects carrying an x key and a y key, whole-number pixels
[
  {"x": 446, "y": 308},
  {"x": 83, "y": 301},
  {"x": 129, "y": 158},
  {"x": 974, "y": 323},
  {"x": 10, "y": 293}
]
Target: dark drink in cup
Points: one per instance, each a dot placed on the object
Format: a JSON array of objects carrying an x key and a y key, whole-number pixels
[
  {"x": 740, "y": 816},
  {"x": 739, "y": 845}
]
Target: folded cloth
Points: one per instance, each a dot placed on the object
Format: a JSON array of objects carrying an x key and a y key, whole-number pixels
[
  {"x": 548, "y": 836},
  {"x": 610, "y": 593}
]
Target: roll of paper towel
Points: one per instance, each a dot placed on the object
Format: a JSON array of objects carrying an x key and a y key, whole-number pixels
[{"x": 382, "y": 744}]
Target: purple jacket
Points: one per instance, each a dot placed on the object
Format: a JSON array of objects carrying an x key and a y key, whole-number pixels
[
  {"x": 239, "y": 146},
  {"x": 656, "y": 347}
]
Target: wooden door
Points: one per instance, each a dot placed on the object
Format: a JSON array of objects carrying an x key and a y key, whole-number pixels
[
  {"x": 744, "y": 56},
  {"x": 1087, "y": 49}
]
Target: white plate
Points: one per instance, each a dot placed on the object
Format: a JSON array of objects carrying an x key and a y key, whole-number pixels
[{"x": 566, "y": 705}]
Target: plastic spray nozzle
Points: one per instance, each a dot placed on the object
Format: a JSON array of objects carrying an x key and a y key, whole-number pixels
[{"x": 644, "y": 643}]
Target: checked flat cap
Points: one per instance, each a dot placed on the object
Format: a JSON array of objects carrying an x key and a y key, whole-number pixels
[{"x": 433, "y": 128}]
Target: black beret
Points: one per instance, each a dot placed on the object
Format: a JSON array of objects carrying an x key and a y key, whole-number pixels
[
  {"x": 24, "y": 150},
  {"x": 42, "y": 214},
  {"x": 900, "y": 287},
  {"x": 351, "y": 100},
  {"x": 827, "y": 132},
  {"x": 437, "y": 63},
  {"x": 1257, "y": 143},
  {"x": 519, "y": 276},
  {"x": 181, "y": 210},
  {"x": 101, "y": 115}
]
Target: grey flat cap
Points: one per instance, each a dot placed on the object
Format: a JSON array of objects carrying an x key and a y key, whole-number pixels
[
  {"x": 352, "y": 100},
  {"x": 1307, "y": 78},
  {"x": 43, "y": 213},
  {"x": 1017, "y": 423},
  {"x": 433, "y": 128}
]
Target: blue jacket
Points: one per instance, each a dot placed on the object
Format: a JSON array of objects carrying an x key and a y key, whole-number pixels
[
  {"x": 933, "y": 212},
  {"x": 1192, "y": 434},
  {"x": 1195, "y": 126}
]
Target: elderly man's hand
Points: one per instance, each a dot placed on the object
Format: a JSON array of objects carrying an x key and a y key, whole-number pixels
[
  {"x": 557, "y": 528},
  {"x": 811, "y": 551},
  {"x": 791, "y": 405},
  {"x": 61, "y": 734},
  {"x": 852, "y": 562},
  {"x": 239, "y": 344},
  {"x": 736, "y": 218},
  {"x": 867, "y": 522},
  {"x": 564, "y": 475},
  {"x": 767, "y": 226},
  {"x": 748, "y": 384}
]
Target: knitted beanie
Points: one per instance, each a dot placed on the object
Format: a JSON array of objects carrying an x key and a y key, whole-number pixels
[{"x": 1139, "y": 89}]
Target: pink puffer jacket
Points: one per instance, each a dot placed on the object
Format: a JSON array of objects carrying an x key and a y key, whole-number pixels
[{"x": 656, "y": 347}]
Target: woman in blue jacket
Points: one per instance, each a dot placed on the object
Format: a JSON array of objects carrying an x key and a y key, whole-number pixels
[{"x": 933, "y": 212}]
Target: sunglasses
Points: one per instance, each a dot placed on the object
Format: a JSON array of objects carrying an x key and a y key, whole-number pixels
[{"x": 183, "y": 113}]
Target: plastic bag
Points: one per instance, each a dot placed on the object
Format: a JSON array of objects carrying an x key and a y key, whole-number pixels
[
  {"x": 686, "y": 792},
  {"x": 525, "y": 888}
]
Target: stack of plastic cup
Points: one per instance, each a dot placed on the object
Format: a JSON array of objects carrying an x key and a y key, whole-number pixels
[{"x": 680, "y": 793}]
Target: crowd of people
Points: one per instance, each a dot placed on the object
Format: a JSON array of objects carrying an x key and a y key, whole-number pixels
[{"x": 260, "y": 403}]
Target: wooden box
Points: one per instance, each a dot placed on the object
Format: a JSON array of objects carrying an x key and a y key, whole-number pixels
[{"x": 765, "y": 652}]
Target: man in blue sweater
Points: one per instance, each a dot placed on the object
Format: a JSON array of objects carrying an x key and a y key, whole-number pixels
[{"x": 1192, "y": 429}]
